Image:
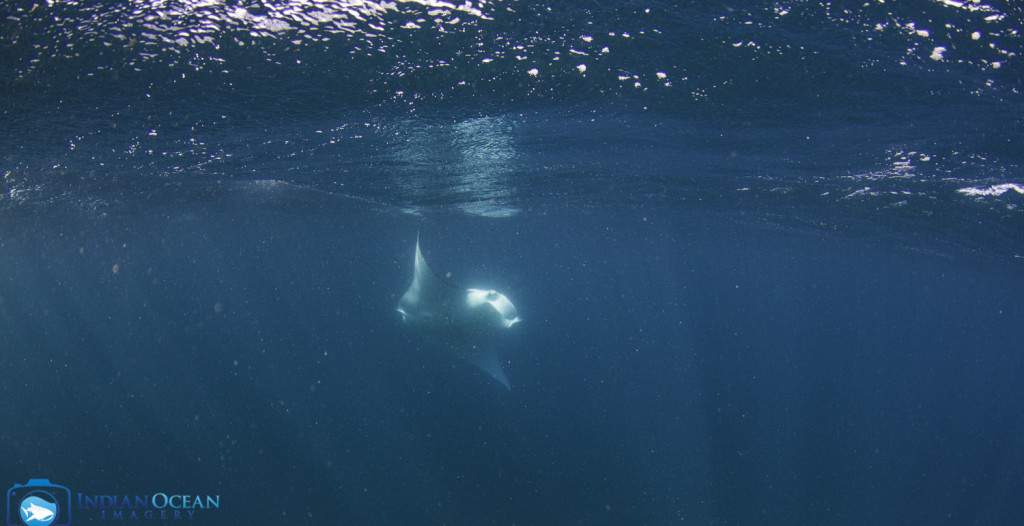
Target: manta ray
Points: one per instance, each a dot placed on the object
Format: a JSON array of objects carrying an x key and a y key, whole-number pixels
[{"x": 467, "y": 322}]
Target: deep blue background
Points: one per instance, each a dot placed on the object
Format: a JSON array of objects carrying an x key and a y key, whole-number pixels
[{"x": 670, "y": 366}]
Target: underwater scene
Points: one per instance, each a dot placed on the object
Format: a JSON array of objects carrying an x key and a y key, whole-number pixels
[{"x": 512, "y": 262}]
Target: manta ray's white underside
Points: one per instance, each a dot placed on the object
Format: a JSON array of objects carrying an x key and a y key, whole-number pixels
[{"x": 466, "y": 322}]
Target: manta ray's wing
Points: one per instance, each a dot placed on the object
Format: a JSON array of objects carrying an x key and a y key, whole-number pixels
[{"x": 430, "y": 302}]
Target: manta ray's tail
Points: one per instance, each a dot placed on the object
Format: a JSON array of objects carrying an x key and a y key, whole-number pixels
[{"x": 489, "y": 363}]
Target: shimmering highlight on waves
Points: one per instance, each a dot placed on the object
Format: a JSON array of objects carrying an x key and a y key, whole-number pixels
[
  {"x": 408, "y": 51},
  {"x": 192, "y": 32},
  {"x": 470, "y": 164},
  {"x": 996, "y": 189}
]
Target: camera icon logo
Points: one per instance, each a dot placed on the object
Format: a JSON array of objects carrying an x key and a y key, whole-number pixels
[{"x": 38, "y": 502}]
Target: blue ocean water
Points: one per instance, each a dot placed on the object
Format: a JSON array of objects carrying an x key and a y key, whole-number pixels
[{"x": 768, "y": 257}]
